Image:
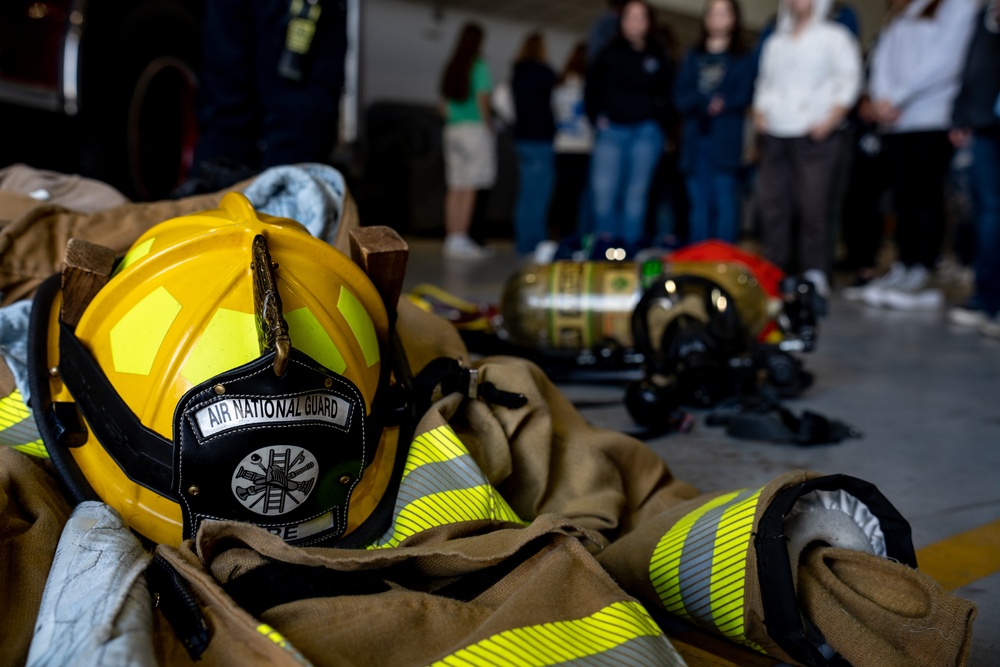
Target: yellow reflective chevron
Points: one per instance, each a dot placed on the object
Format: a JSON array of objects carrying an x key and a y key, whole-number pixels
[
  {"x": 17, "y": 426},
  {"x": 280, "y": 640},
  {"x": 441, "y": 485},
  {"x": 698, "y": 568},
  {"x": 622, "y": 633}
]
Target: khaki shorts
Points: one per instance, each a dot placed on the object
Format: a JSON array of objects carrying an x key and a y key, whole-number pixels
[{"x": 469, "y": 156}]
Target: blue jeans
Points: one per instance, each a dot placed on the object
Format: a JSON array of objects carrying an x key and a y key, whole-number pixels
[
  {"x": 536, "y": 176},
  {"x": 622, "y": 166},
  {"x": 713, "y": 199},
  {"x": 986, "y": 190}
]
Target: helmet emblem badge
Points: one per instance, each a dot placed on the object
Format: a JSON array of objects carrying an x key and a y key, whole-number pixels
[{"x": 275, "y": 480}]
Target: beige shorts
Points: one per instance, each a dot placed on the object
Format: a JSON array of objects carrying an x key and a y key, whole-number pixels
[{"x": 470, "y": 160}]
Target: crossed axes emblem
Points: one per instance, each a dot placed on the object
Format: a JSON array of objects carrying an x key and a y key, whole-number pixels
[{"x": 274, "y": 476}]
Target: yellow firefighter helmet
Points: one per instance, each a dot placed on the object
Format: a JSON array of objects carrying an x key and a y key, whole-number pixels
[{"x": 232, "y": 368}]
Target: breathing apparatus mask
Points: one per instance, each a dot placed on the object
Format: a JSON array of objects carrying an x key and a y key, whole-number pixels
[{"x": 699, "y": 328}]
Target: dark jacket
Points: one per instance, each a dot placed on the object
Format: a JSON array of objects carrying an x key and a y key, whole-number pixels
[
  {"x": 628, "y": 86},
  {"x": 725, "y": 131},
  {"x": 976, "y": 99},
  {"x": 532, "y": 85}
]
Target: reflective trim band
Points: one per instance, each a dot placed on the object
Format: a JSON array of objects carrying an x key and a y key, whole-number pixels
[
  {"x": 17, "y": 426},
  {"x": 441, "y": 485},
  {"x": 361, "y": 325},
  {"x": 134, "y": 255},
  {"x": 280, "y": 640},
  {"x": 699, "y": 566},
  {"x": 138, "y": 335},
  {"x": 620, "y": 634}
]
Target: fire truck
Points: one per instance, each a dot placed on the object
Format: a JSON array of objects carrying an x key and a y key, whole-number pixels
[{"x": 103, "y": 88}]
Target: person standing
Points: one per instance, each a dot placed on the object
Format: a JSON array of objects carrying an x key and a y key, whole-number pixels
[
  {"x": 573, "y": 142},
  {"x": 916, "y": 66},
  {"x": 976, "y": 119},
  {"x": 604, "y": 29},
  {"x": 627, "y": 98},
  {"x": 713, "y": 91},
  {"x": 267, "y": 96},
  {"x": 809, "y": 78},
  {"x": 469, "y": 144},
  {"x": 532, "y": 83}
]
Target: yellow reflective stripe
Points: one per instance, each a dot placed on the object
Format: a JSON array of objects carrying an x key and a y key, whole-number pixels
[
  {"x": 17, "y": 426},
  {"x": 13, "y": 410},
  {"x": 436, "y": 446},
  {"x": 440, "y": 509},
  {"x": 729, "y": 566},
  {"x": 133, "y": 255},
  {"x": 280, "y": 640},
  {"x": 698, "y": 568},
  {"x": 228, "y": 341},
  {"x": 309, "y": 336},
  {"x": 561, "y": 641},
  {"x": 664, "y": 566},
  {"x": 442, "y": 485},
  {"x": 36, "y": 448},
  {"x": 137, "y": 336},
  {"x": 361, "y": 324}
]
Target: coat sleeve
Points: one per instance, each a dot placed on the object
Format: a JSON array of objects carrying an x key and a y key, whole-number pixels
[
  {"x": 749, "y": 565},
  {"x": 686, "y": 96}
]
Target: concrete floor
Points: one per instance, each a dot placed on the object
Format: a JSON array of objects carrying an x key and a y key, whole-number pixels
[{"x": 925, "y": 396}]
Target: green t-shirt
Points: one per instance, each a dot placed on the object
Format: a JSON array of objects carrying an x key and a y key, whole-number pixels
[{"x": 467, "y": 110}]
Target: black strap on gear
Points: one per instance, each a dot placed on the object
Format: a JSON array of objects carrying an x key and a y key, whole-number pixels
[
  {"x": 774, "y": 571},
  {"x": 144, "y": 455},
  {"x": 177, "y": 603},
  {"x": 58, "y": 423},
  {"x": 454, "y": 378},
  {"x": 763, "y": 417}
]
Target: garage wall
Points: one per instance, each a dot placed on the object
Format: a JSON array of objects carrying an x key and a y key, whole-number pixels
[{"x": 405, "y": 46}]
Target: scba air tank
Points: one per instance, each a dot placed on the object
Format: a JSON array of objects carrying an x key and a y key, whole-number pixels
[{"x": 571, "y": 306}]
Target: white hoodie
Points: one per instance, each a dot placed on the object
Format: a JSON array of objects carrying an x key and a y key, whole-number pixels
[
  {"x": 803, "y": 77},
  {"x": 916, "y": 64}
]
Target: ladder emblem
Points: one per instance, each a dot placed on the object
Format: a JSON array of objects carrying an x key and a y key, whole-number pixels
[{"x": 275, "y": 480}]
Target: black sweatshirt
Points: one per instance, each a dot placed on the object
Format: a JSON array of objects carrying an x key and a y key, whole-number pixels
[
  {"x": 973, "y": 107},
  {"x": 628, "y": 86},
  {"x": 532, "y": 85}
]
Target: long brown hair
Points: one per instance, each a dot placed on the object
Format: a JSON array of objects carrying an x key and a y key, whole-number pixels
[
  {"x": 532, "y": 48},
  {"x": 456, "y": 81},
  {"x": 651, "y": 29},
  {"x": 576, "y": 63},
  {"x": 736, "y": 44}
]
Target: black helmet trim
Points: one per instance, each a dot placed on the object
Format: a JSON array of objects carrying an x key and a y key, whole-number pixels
[
  {"x": 54, "y": 425},
  {"x": 281, "y": 452},
  {"x": 774, "y": 571},
  {"x": 144, "y": 455}
]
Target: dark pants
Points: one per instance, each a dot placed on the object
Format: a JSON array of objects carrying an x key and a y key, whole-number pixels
[
  {"x": 568, "y": 196},
  {"x": 986, "y": 187},
  {"x": 247, "y": 112},
  {"x": 918, "y": 163},
  {"x": 795, "y": 181},
  {"x": 863, "y": 218}
]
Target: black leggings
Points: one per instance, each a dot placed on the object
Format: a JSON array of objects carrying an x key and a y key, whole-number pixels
[{"x": 919, "y": 164}]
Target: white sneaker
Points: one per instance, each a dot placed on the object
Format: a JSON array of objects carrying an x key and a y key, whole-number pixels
[
  {"x": 991, "y": 327},
  {"x": 913, "y": 292},
  {"x": 874, "y": 292},
  {"x": 963, "y": 316},
  {"x": 460, "y": 246},
  {"x": 819, "y": 281}
]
